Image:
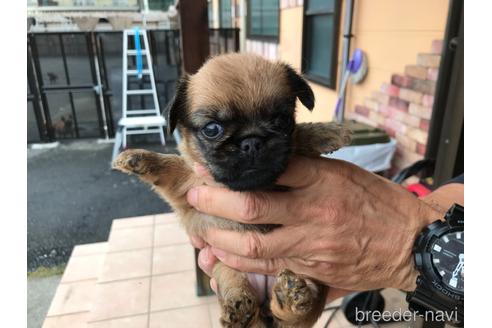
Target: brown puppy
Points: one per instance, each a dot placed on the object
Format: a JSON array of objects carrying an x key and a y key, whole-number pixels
[{"x": 236, "y": 116}]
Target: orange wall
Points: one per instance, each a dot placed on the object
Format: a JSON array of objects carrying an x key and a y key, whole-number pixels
[{"x": 391, "y": 33}]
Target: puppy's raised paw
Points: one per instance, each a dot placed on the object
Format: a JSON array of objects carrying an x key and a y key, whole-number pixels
[
  {"x": 137, "y": 161},
  {"x": 313, "y": 139},
  {"x": 239, "y": 309}
]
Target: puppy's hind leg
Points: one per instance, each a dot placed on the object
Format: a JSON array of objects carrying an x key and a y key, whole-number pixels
[
  {"x": 240, "y": 306},
  {"x": 296, "y": 302}
]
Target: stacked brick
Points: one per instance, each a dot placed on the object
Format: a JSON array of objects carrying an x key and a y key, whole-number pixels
[{"x": 403, "y": 107}]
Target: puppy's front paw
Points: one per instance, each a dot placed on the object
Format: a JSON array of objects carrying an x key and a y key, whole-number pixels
[
  {"x": 240, "y": 309},
  {"x": 313, "y": 139},
  {"x": 291, "y": 296},
  {"x": 132, "y": 161}
]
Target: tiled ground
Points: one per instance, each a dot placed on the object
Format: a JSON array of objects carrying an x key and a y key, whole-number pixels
[{"x": 144, "y": 276}]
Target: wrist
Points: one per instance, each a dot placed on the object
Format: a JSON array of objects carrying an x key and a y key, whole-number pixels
[
  {"x": 428, "y": 212},
  {"x": 424, "y": 215}
]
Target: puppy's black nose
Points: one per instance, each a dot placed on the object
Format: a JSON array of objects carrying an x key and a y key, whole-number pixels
[{"x": 251, "y": 146}]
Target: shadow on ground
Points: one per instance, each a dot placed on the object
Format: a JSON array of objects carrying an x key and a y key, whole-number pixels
[{"x": 73, "y": 196}]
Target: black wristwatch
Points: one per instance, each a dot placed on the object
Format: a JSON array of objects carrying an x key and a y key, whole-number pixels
[{"x": 439, "y": 257}]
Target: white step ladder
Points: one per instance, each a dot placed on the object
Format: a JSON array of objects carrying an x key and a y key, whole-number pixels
[{"x": 138, "y": 121}]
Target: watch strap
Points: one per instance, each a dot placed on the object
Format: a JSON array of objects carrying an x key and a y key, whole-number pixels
[{"x": 422, "y": 299}]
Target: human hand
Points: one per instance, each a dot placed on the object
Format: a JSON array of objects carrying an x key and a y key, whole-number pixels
[
  {"x": 341, "y": 225},
  {"x": 207, "y": 260}
]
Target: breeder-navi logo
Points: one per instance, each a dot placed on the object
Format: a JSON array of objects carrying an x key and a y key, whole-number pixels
[{"x": 404, "y": 315}]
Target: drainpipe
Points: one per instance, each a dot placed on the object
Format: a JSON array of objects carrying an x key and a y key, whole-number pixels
[
  {"x": 99, "y": 87},
  {"x": 347, "y": 35},
  {"x": 146, "y": 6},
  {"x": 242, "y": 27},
  {"x": 143, "y": 5}
]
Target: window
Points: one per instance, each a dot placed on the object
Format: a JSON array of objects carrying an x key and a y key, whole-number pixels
[
  {"x": 225, "y": 14},
  {"x": 263, "y": 19},
  {"x": 320, "y": 41},
  {"x": 159, "y": 4}
]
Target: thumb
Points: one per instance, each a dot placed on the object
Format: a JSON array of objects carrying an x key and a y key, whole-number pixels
[{"x": 207, "y": 260}]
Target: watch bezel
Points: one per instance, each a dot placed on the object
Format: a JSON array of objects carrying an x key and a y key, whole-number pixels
[{"x": 423, "y": 258}]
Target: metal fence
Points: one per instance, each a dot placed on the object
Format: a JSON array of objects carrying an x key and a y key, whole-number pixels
[{"x": 74, "y": 79}]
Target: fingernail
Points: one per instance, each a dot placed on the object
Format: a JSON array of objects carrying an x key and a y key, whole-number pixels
[
  {"x": 220, "y": 254},
  {"x": 213, "y": 285},
  {"x": 206, "y": 256},
  {"x": 192, "y": 197},
  {"x": 203, "y": 261}
]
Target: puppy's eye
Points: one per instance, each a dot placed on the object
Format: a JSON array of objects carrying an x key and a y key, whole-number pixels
[{"x": 212, "y": 130}]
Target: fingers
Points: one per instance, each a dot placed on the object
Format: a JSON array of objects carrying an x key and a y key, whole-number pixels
[
  {"x": 206, "y": 260},
  {"x": 246, "y": 207},
  {"x": 197, "y": 242},
  {"x": 243, "y": 264},
  {"x": 281, "y": 242},
  {"x": 270, "y": 267},
  {"x": 213, "y": 285}
]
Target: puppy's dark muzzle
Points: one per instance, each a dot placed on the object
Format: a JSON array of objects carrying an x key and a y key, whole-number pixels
[
  {"x": 250, "y": 179},
  {"x": 251, "y": 147},
  {"x": 256, "y": 163}
]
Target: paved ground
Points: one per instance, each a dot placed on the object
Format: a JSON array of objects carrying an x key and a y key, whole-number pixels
[
  {"x": 40, "y": 291},
  {"x": 72, "y": 197}
]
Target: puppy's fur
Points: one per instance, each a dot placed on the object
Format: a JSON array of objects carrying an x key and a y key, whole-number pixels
[{"x": 252, "y": 100}]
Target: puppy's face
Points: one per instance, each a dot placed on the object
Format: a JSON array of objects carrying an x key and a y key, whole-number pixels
[{"x": 236, "y": 116}]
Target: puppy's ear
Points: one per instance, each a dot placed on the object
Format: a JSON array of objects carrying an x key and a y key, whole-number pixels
[
  {"x": 176, "y": 107},
  {"x": 300, "y": 87}
]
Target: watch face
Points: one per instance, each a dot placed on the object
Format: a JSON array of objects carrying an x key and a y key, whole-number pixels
[{"x": 448, "y": 258}]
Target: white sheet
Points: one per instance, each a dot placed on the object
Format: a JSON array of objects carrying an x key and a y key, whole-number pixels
[{"x": 374, "y": 157}]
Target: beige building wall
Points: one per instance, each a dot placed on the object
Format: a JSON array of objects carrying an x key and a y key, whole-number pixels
[
  {"x": 391, "y": 32},
  {"x": 290, "y": 50}
]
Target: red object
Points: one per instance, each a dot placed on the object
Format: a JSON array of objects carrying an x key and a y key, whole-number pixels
[{"x": 418, "y": 189}]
